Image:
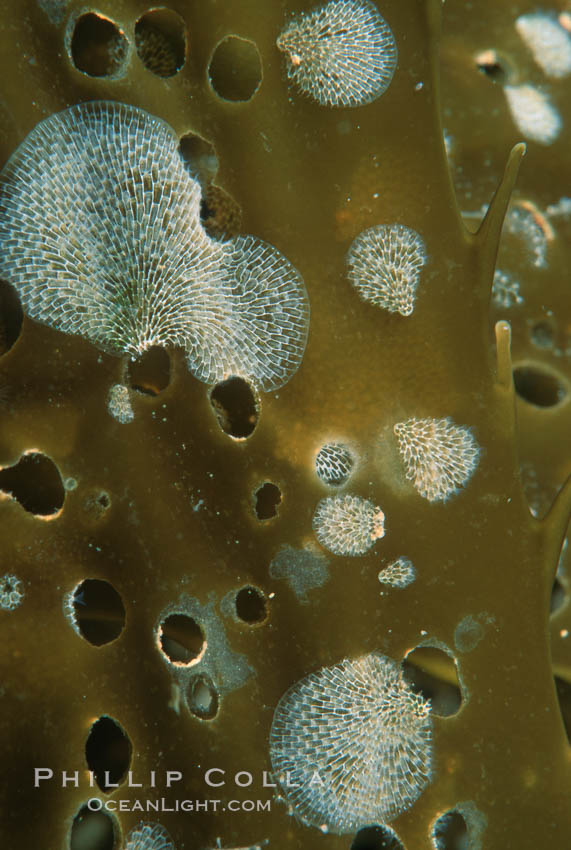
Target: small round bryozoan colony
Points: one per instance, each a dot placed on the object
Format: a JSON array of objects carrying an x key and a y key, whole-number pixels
[
  {"x": 399, "y": 573},
  {"x": 119, "y": 404},
  {"x": 350, "y": 745},
  {"x": 149, "y": 836},
  {"x": 384, "y": 265},
  {"x": 11, "y": 592},
  {"x": 341, "y": 54},
  {"x": 334, "y": 463},
  {"x": 439, "y": 456},
  {"x": 348, "y": 525}
]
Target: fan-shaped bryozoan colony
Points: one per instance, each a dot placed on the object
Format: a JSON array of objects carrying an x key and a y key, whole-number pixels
[
  {"x": 100, "y": 234},
  {"x": 348, "y": 525},
  {"x": 149, "y": 836},
  {"x": 341, "y": 54},
  {"x": 334, "y": 463},
  {"x": 351, "y": 745},
  {"x": 548, "y": 41},
  {"x": 400, "y": 573},
  {"x": 384, "y": 265},
  {"x": 439, "y": 456}
]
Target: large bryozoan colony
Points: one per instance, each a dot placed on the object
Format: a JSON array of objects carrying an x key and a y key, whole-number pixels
[
  {"x": 100, "y": 233},
  {"x": 351, "y": 745}
]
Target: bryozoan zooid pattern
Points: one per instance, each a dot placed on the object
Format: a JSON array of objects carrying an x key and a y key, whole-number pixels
[
  {"x": 100, "y": 233},
  {"x": 351, "y": 745}
]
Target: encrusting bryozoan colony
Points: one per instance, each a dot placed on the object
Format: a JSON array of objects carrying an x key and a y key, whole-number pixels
[
  {"x": 100, "y": 234},
  {"x": 11, "y": 592},
  {"x": 348, "y": 525},
  {"x": 350, "y": 745},
  {"x": 119, "y": 404},
  {"x": 149, "y": 836},
  {"x": 341, "y": 54},
  {"x": 384, "y": 265},
  {"x": 334, "y": 463},
  {"x": 439, "y": 456},
  {"x": 399, "y": 573}
]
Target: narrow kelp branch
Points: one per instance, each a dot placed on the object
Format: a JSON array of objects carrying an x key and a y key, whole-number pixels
[
  {"x": 485, "y": 242},
  {"x": 504, "y": 377},
  {"x": 555, "y": 526},
  {"x": 489, "y": 232},
  {"x": 505, "y": 425}
]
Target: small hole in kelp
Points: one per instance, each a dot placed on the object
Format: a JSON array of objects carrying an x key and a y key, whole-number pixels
[
  {"x": 98, "y": 47},
  {"x": 150, "y": 372},
  {"x": 433, "y": 674},
  {"x": 563, "y": 691},
  {"x": 160, "y": 39},
  {"x": 181, "y": 639},
  {"x": 202, "y": 697},
  {"x": 494, "y": 66},
  {"x": 542, "y": 335},
  {"x": 268, "y": 497},
  {"x": 251, "y": 605},
  {"x": 199, "y": 157},
  {"x": 11, "y": 317},
  {"x": 376, "y": 838},
  {"x": 558, "y": 596},
  {"x": 450, "y": 832},
  {"x": 96, "y": 611},
  {"x": 538, "y": 386},
  {"x": 235, "y": 407},
  {"x": 35, "y": 482},
  {"x": 108, "y": 752},
  {"x": 93, "y": 830},
  {"x": 235, "y": 69}
]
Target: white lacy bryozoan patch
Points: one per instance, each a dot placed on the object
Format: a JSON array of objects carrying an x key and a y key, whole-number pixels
[
  {"x": 350, "y": 745},
  {"x": 348, "y": 525},
  {"x": 384, "y": 265},
  {"x": 149, "y": 836},
  {"x": 341, "y": 54},
  {"x": 100, "y": 233},
  {"x": 439, "y": 456},
  {"x": 334, "y": 463}
]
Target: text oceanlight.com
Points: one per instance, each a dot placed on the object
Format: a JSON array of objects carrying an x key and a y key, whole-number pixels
[{"x": 95, "y": 804}]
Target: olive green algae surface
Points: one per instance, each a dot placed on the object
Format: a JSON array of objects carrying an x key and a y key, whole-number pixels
[{"x": 180, "y": 520}]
